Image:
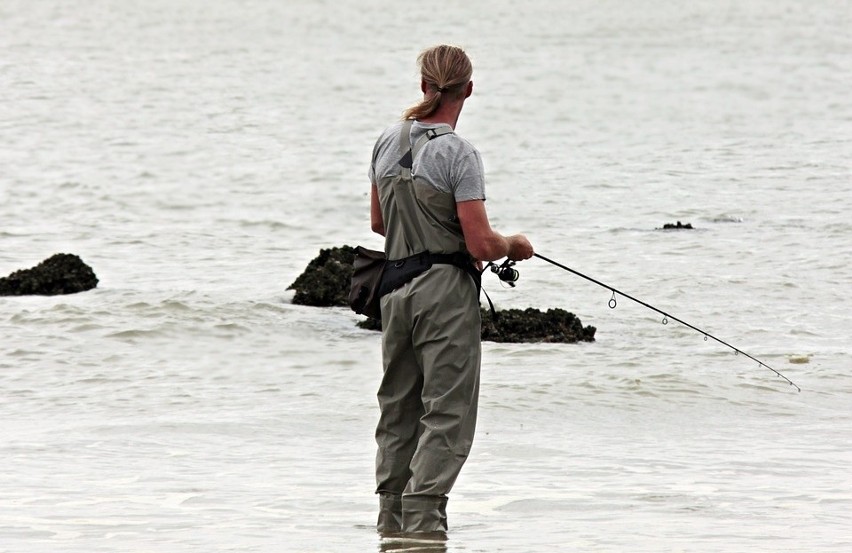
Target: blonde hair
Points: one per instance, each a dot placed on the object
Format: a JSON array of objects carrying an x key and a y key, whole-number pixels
[{"x": 446, "y": 70}]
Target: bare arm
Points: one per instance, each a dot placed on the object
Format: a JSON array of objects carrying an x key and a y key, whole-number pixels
[
  {"x": 482, "y": 241},
  {"x": 376, "y": 221}
]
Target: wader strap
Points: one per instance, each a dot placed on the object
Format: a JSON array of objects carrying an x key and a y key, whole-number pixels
[
  {"x": 430, "y": 134},
  {"x": 415, "y": 239},
  {"x": 409, "y": 154},
  {"x": 405, "y": 137}
]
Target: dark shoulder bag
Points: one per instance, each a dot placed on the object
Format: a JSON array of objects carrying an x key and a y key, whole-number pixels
[{"x": 369, "y": 266}]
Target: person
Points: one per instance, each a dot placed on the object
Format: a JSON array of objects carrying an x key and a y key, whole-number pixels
[{"x": 428, "y": 195}]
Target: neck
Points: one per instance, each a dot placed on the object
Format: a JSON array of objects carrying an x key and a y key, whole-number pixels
[{"x": 447, "y": 113}]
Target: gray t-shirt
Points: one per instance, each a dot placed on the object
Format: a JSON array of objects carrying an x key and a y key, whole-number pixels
[{"x": 448, "y": 162}]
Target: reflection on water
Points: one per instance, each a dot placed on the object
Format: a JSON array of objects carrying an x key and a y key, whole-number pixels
[{"x": 422, "y": 543}]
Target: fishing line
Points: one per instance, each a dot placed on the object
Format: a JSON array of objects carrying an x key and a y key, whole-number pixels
[{"x": 666, "y": 316}]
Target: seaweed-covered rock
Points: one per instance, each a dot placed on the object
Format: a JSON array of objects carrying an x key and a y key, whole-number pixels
[
  {"x": 326, "y": 280},
  {"x": 533, "y": 325},
  {"x": 62, "y": 273}
]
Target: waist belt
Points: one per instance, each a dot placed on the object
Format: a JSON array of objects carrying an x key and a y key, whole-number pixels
[{"x": 402, "y": 271}]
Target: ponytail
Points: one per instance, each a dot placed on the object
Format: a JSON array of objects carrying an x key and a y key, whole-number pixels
[{"x": 445, "y": 70}]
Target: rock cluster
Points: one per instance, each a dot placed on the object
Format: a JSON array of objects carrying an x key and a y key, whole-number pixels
[
  {"x": 532, "y": 325},
  {"x": 62, "y": 273},
  {"x": 677, "y": 226},
  {"x": 325, "y": 283}
]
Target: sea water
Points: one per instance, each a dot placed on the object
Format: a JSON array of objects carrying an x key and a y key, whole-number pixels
[{"x": 197, "y": 155}]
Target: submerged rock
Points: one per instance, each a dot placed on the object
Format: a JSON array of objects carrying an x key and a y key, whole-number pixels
[
  {"x": 62, "y": 273},
  {"x": 326, "y": 280}
]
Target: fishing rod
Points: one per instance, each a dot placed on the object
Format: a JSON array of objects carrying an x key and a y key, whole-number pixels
[{"x": 507, "y": 273}]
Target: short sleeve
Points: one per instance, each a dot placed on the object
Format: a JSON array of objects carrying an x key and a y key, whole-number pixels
[{"x": 468, "y": 176}]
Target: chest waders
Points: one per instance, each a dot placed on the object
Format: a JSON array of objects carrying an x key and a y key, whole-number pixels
[{"x": 430, "y": 352}]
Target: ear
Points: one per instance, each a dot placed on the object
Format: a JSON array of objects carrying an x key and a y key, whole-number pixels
[
  {"x": 423, "y": 86},
  {"x": 469, "y": 90}
]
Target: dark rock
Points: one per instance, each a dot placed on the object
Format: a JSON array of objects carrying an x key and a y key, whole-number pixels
[
  {"x": 62, "y": 273},
  {"x": 533, "y": 325},
  {"x": 326, "y": 280},
  {"x": 679, "y": 225}
]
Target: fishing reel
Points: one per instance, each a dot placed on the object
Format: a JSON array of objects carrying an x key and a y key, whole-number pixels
[{"x": 506, "y": 272}]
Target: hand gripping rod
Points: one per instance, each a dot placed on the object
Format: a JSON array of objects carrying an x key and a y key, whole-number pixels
[{"x": 612, "y": 303}]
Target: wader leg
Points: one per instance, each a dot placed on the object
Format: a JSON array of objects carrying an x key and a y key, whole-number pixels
[
  {"x": 390, "y": 513},
  {"x": 446, "y": 336},
  {"x": 424, "y": 515},
  {"x": 401, "y": 408}
]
